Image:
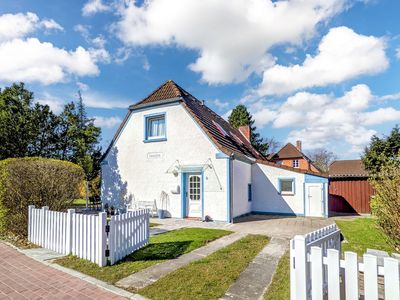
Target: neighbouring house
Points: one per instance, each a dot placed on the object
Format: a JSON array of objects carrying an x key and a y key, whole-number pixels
[
  {"x": 171, "y": 148},
  {"x": 349, "y": 189},
  {"x": 292, "y": 156}
]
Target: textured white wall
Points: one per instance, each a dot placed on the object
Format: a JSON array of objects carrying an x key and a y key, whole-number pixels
[
  {"x": 265, "y": 191},
  {"x": 142, "y": 166},
  {"x": 241, "y": 179}
]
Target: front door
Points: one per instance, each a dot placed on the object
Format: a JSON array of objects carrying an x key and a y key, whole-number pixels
[
  {"x": 315, "y": 200},
  {"x": 193, "y": 195}
]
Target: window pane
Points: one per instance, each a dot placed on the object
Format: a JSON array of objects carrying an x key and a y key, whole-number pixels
[
  {"x": 287, "y": 185},
  {"x": 156, "y": 127}
]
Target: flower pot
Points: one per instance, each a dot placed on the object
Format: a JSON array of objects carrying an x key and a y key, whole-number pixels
[{"x": 160, "y": 213}]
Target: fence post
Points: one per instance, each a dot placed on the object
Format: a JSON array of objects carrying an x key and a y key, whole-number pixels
[
  {"x": 101, "y": 239},
  {"x": 300, "y": 267},
  {"x": 43, "y": 226},
  {"x": 68, "y": 245},
  {"x": 30, "y": 209}
]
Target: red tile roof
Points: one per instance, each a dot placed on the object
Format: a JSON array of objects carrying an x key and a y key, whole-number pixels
[
  {"x": 347, "y": 168},
  {"x": 233, "y": 143}
]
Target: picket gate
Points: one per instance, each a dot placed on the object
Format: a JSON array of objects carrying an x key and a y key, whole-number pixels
[
  {"x": 317, "y": 272},
  {"x": 89, "y": 236}
]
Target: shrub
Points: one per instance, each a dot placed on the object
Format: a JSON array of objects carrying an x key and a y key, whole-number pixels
[
  {"x": 385, "y": 205},
  {"x": 34, "y": 181}
]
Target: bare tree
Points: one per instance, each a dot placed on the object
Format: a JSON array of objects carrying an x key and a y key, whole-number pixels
[
  {"x": 273, "y": 144},
  {"x": 322, "y": 158}
]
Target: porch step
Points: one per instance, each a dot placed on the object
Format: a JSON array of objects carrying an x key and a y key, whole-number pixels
[{"x": 150, "y": 275}]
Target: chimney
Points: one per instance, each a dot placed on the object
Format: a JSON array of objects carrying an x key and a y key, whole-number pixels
[
  {"x": 298, "y": 145},
  {"x": 245, "y": 130}
]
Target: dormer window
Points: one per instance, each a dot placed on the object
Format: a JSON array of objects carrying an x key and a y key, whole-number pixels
[{"x": 155, "y": 128}]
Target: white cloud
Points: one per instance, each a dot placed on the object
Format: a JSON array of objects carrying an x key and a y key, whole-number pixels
[
  {"x": 20, "y": 25},
  {"x": 82, "y": 86},
  {"x": 342, "y": 55},
  {"x": 33, "y": 61},
  {"x": 323, "y": 120},
  {"x": 94, "y": 6},
  {"x": 220, "y": 104},
  {"x": 107, "y": 122},
  {"x": 398, "y": 53},
  {"x": 101, "y": 100},
  {"x": 50, "y": 24},
  {"x": 231, "y": 37},
  {"x": 55, "y": 103}
]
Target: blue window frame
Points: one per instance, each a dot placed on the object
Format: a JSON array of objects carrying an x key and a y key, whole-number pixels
[
  {"x": 155, "y": 128},
  {"x": 249, "y": 193},
  {"x": 287, "y": 186}
]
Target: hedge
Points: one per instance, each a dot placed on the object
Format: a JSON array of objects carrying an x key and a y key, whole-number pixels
[{"x": 34, "y": 181}]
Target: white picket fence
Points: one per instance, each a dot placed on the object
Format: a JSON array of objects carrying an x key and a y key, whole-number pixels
[
  {"x": 317, "y": 272},
  {"x": 128, "y": 232},
  {"x": 86, "y": 235}
]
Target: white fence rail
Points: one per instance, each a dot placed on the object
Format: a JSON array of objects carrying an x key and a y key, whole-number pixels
[
  {"x": 316, "y": 271},
  {"x": 86, "y": 235}
]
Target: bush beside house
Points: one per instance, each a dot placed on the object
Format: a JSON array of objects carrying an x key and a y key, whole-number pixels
[{"x": 34, "y": 181}]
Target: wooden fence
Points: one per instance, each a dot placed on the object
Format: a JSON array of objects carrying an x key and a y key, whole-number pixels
[
  {"x": 88, "y": 236},
  {"x": 317, "y": 272}
]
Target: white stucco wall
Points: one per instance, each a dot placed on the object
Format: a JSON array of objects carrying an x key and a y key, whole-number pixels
[
  {"x": 143, "y": 166},
  {"x": 241, "y": 178},
  {"x": 266, "y": 197}
]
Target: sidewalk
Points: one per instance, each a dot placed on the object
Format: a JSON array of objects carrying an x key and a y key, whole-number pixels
[{"x": 22, "y": 277}]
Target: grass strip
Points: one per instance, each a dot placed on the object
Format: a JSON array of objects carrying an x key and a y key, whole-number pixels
[
  {"x": 162, "y": 247},
  {"x": 210, "y": 277},
  {"x": 279, "y": 288},
  {"x": 363, "y": 233}
]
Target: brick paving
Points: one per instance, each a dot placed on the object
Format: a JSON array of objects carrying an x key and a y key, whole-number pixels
[{"x": 24, "y": 278}]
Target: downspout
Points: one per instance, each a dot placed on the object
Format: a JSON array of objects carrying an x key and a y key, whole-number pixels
[{"x": 230, "y": 188}]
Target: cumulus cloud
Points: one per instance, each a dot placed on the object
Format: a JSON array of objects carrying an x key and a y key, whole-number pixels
[
  {"x": 231, "y": 37},
  {"x": 93, "y": 7},
  {"x": 34, "y": 61},
  {"x": 324, "y": 120},
  {"x": 20, "y": 25},
  {"x": 25, "y": 58},
  {"x": 342, "y": 54},
  {"x": 55, "y": 103},
  {"x": 220, "y": 104},
  {"x": 107, "y": 122}
]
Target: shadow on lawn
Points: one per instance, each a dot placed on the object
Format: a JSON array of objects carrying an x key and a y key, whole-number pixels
[{"x": 160, "y": 251}]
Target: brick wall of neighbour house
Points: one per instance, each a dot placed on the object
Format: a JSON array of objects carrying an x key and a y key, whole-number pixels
[
  {"x": 350, "y": 195},
  {"x": 303, "y": 164}
]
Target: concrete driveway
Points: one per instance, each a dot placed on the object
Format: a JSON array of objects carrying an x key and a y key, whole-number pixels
[{"x": 272, "y": 226}]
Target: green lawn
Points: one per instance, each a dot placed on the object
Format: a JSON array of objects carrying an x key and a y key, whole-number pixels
[
  {"x": 154, "y": 224},
  {"x": 79, "y": 202},
  {"x": 162, "y": 247},
  {"x": 210, "y": 277},
  {"x": 363, "y": 233},
  {"x": 279, "y": 288}
]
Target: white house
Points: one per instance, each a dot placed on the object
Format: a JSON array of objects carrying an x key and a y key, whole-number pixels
[{"x": 170, "y": 143}]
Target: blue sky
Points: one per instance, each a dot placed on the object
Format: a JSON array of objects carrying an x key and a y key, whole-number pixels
[{"x": 323, "y": 71}]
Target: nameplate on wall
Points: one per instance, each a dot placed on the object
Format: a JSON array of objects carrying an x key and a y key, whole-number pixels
[{"x": 155, "y": 155}]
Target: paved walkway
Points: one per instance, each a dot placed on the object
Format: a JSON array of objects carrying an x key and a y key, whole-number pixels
[
  {"x": 272, "y": 226},
  {"x": 150, "y": 275},
  {"x": 255, "y": 279},
  {"x": 22, "y": 277}
]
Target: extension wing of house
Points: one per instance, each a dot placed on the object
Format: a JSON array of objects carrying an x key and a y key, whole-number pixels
[
  {"x": 173, "y": 150},
  {"x": 349, "y": 189},
  {"x": 292, "y": 156}
]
